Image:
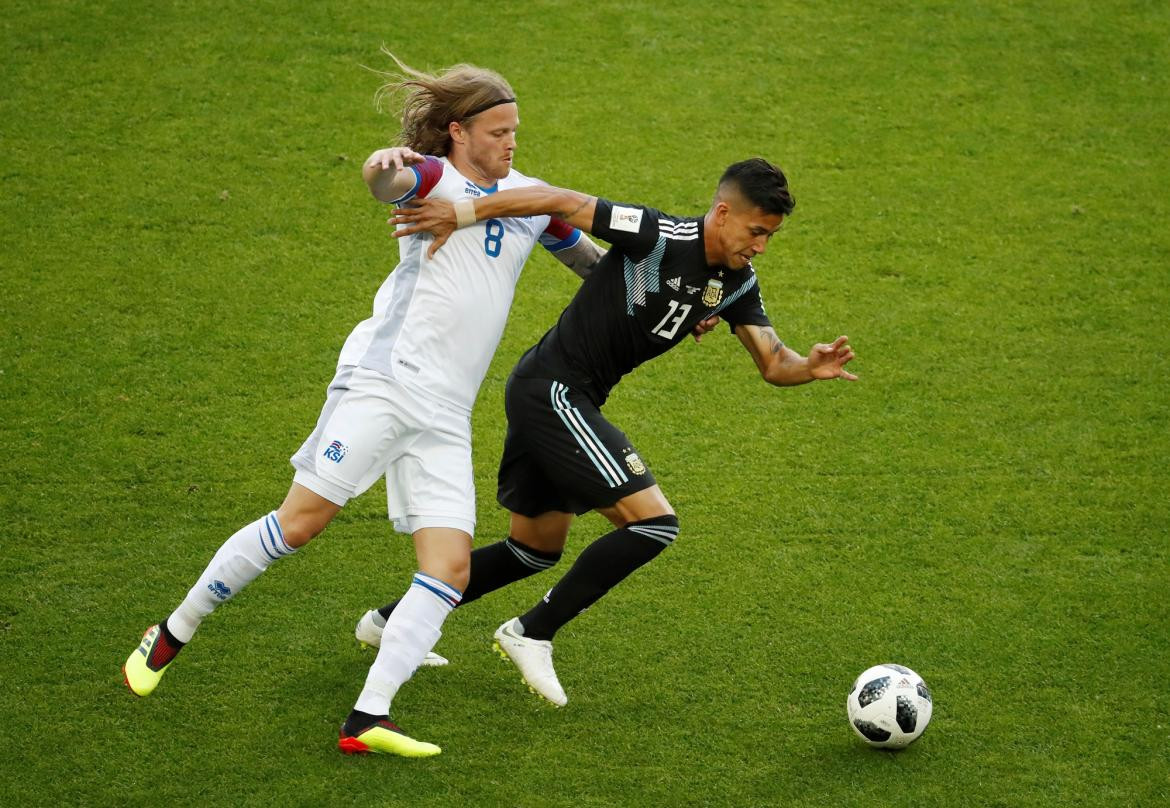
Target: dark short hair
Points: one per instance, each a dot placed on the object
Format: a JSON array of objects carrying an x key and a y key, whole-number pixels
[{"x": 762, "y": 184}]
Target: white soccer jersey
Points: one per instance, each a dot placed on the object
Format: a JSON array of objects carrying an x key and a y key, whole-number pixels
[{"x": 437, "y": 321}]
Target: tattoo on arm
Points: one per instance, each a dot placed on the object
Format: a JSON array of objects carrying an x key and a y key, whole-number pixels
[
  {"x": 577, "y": 209},
  {"x": 776, "y": 344}
]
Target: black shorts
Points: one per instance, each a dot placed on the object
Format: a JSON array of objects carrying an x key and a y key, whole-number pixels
[{"x": 561, "y": 454}]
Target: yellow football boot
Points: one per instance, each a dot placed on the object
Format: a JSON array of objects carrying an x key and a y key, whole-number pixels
[
  {"x": 384, "y": 737},
  {"x": 149, "y": 662}
]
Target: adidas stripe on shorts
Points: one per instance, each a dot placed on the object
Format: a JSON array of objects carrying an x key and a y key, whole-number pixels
[{"x": 561, "y": 454}]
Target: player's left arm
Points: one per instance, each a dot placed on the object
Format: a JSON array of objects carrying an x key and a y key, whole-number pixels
[
  {"x": 581, "y": 257},
  {"x": 571, "y": 247},
  {"x": 782, "y": 366},
  {"x": 388, "y": 174}
]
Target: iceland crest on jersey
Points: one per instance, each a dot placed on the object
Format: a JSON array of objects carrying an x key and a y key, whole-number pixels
[{"x": 335, "y": 451}]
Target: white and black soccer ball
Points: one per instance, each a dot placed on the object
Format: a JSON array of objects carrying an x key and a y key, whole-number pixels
[{"x": 889, "y": 706}]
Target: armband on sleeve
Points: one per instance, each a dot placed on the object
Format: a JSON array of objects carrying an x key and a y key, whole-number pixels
[{"x": 426, "y": 176}]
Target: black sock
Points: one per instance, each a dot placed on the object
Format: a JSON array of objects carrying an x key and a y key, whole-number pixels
[
  {"x": 496, "y": 566},
  {"x": 166, "y": 649},
  {"x": 170, "y": 638},
  {"x": 599, "y": 568},
  {"x": 359, "y": 722}
]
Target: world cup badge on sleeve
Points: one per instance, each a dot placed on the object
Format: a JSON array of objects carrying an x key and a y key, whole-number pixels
[{"x": 713, "y": 293}]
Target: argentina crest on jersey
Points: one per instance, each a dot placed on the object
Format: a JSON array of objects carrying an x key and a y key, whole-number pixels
[{"x": 713, "y": 293}]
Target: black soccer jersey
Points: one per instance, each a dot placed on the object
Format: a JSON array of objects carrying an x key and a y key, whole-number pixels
[{"x": 644, "y": 297}]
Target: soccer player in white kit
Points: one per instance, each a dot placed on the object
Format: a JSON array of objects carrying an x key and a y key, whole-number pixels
[{"x": 400, "y": 402}]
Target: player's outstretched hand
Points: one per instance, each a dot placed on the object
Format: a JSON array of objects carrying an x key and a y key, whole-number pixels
[
  {"x": 397, "y": 156},
  {"x": 703, "y": 326},
  {"x": 828, "y": 361},
  {"x": 434, "y": 216}
]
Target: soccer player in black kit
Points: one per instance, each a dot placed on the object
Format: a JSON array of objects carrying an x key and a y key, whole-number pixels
[{"x": 663, "y": 276}]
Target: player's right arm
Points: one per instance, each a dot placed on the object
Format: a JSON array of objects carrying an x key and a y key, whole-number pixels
[
  {"x": 388, "y": 174},
  {"x": 780, "y": 365},
  {"x": 571, "y": 207},
  {"x": 442, "y": 218}
]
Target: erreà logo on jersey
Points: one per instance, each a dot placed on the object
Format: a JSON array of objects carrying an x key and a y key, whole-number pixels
[
  {"x": 627, "y": 219},
  {"x": 472, "y": 189}
]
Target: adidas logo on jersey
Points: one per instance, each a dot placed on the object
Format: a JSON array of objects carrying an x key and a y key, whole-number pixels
[{"x": 674, "y": 283}]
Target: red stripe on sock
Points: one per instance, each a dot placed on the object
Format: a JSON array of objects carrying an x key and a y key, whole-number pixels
[{"x": 162, "y": 653}]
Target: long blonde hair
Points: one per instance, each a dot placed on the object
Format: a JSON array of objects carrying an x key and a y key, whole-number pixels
[{"x": 431, "y": 102}]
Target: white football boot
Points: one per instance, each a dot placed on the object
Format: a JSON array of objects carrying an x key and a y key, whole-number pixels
[
  {"x": 533, "y": 658},
  {"x": 369, "y": 634}
]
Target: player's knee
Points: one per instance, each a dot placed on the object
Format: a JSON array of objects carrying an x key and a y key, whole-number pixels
[
  {"x": 546, "y": 534},
  {"x": 455, "y": 571},
  {"x": 460, "y": 572},
  {"x": 548, "y": 542},
  {"x": 300, "y": 527}
]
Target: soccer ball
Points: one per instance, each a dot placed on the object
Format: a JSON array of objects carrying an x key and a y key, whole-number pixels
[{"x": 889, "y": 706}]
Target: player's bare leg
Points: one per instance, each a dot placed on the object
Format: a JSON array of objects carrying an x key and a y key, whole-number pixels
[
  {"x": 547, "y": 532},
  {"x": 648, "y": 503},
  {"x": 304, "y": 515}
]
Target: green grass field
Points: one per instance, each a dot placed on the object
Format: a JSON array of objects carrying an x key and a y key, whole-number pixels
[{"x": 982, "y": 208}]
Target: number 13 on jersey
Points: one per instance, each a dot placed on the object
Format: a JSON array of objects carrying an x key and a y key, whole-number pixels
[{"x": 667, "y": 328}]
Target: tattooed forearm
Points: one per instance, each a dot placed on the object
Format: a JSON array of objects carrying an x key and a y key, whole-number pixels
[{"x": 577, "y": 209}]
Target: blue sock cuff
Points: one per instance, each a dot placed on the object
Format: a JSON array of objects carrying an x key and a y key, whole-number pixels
[
  {"x": 272, "y": 538},
  {"x": 443, "y": 591}
]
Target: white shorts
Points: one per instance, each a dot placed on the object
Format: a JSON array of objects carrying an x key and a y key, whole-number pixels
[{"x": 372, "y": 426}]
